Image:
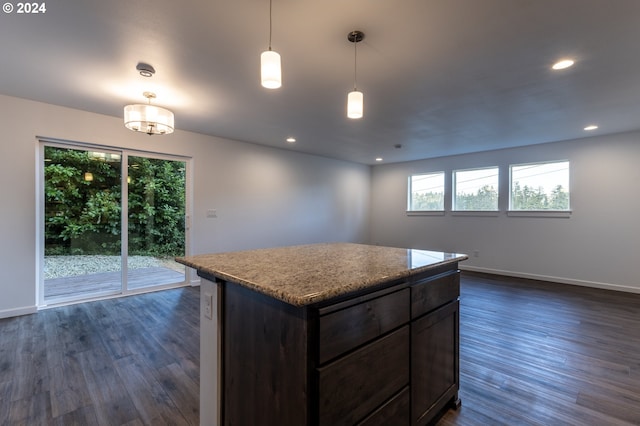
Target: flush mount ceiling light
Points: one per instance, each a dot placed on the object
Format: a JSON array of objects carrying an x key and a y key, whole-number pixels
[
  {"x": 591, "y": 127},
  {"x": 355, "y": 99},
  {"x": 147, "y": 118},
  {"x": 270, "y": 68},
  {"x": 560, "y": 65}
]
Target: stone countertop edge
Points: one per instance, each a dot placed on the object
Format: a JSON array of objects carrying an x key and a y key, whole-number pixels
[{"x": 286, "y": 292}]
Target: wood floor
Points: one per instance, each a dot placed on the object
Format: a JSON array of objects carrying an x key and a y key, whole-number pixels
[
  {"x": 127, "y": 361},
  {"x": 534, "y": 353},
  {"x": 531, "y": 354}
]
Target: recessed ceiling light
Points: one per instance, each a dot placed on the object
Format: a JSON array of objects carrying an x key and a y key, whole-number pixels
[
  {"x": 291, "y": 139},
  {"x": 379, "y": 159},
  {"x": 590, "y": 127},
  {"x": 560, "y": 65}
]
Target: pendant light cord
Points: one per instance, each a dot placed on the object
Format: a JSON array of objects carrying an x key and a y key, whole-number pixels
[
  {"x": 355, "y": 65},
  {"x": 270, "y": 24}
]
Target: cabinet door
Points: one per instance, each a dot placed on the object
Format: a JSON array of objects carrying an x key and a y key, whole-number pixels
[{"x": 434, "y": 362}]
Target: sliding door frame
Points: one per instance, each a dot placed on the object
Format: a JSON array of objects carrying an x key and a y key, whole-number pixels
[{"x": 189, "y": 278}]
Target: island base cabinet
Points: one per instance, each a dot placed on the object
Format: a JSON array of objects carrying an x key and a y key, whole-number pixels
[
  {"x": 368, "y": 359},
  {"x": 434, "y": 362},
  {"x": 355, "y": 385},
  {"x": 264, "y": 360},
  {"x": 394, "y": 412}
]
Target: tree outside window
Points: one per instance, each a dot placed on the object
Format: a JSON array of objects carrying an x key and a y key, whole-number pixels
[
  {"x": 476, "y": 190},
  {"x": 426, "y": 192},
  {"x": 540, "y": 186}
]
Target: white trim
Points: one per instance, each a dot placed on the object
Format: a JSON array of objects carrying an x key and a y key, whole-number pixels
[
  {"x": 113, "y": 148},
  {"x": 195, "y": 283},
  {"x": 540, "y": 213},
  {"x": 485, "y": 213},
  {"x": 107, "y": 296},
  {"x": 15, "y": 312},
  {"x": 425, "y": 213},
  {"x": 211, "y": 330},
  {"x": 559, "y": 280},
  {"x": 39, "y": 225}
]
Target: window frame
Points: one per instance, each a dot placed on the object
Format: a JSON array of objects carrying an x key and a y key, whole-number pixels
[
  {"x": 538, "y": 212},
  {"x": 488, "y": 212},
  {"x": 434, "y": 212}
]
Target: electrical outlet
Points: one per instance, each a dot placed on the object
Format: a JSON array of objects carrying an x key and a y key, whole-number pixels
[
  {"x": 476, "y": 253},
  {"x": 208, "y": 306},
  {"x": 212, "y": 213}
]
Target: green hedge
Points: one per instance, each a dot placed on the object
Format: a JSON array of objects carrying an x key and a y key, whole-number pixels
[{"x": 82, "y": 215}]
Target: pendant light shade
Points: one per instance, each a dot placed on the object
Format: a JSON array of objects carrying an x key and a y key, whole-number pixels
[
  {"x": 355, "y": 102},
  {"x": 271, "y": 71},
  {"x": 147, "y": 118},
  {"x": 355, "y": 99}
]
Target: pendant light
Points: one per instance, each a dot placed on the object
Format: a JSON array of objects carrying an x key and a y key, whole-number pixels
[
  {"x": 147, "y": 118},
  {"x": 270, "y": 69},
  {"x": 355, "y": 99}
]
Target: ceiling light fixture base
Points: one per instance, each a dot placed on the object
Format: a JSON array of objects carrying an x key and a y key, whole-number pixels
[
  {"x": 355, "y": 36},
  {"x": 149, "y": 95},
  {"x": 145, "y": 70}
]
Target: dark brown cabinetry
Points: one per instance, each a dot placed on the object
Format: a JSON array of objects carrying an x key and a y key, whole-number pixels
[
  {"x": 357, "y": 384},
  {"x": 434, "y": 346},
  {"x": 434, "y": 362},
  {"x": 383, "y": 357}
]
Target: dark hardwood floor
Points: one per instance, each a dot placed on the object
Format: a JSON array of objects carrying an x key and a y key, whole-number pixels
[
  {"x": 531, "y": 353},
  {"x": 535, "y": 353},
  {"x": 127, "y": 361}
]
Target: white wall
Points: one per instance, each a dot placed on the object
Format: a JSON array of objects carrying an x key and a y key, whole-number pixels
[
  {"x": 263, "y": 196},
  {"x": 599, "y": 245},
  {"x": 271, "y": 197}
]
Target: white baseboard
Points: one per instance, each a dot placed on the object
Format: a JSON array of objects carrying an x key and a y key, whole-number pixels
[
  {"x": 195, "y": 283},
  {"x": 561, "y": 280},
  {"x": 7, "y": 313}
]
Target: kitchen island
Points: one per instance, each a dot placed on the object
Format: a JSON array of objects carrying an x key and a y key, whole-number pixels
[{"x": 328, "y": 334}]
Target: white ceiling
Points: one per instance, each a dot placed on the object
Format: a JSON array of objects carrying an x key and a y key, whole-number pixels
[{"x": 439, "y": 77}]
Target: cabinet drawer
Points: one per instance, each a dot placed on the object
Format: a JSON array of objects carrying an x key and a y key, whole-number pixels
[
  {"x": 395, "y": 412},
  {"x": 431, "y": 293},
  {"x": 353, "y": 326},
  {"x": 354, "y": 386}
]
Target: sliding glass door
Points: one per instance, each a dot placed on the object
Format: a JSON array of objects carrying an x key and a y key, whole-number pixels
[
  {"x": 82, "y": 226},
  {"x": 90, "y": 197},
  {"x": 156, "y": 221}
]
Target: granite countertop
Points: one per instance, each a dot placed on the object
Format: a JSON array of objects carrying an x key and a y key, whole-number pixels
[{"x": 306, "y": 274}]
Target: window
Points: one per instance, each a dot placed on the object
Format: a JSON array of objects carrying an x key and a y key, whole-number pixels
[
  {"x": 476, "y": 190},
  {"x": 426, "y": 192},
  {"x": 540, "y": 186}
]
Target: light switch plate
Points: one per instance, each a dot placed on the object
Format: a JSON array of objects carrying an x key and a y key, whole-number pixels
[{"x": 208, "y": 306}]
